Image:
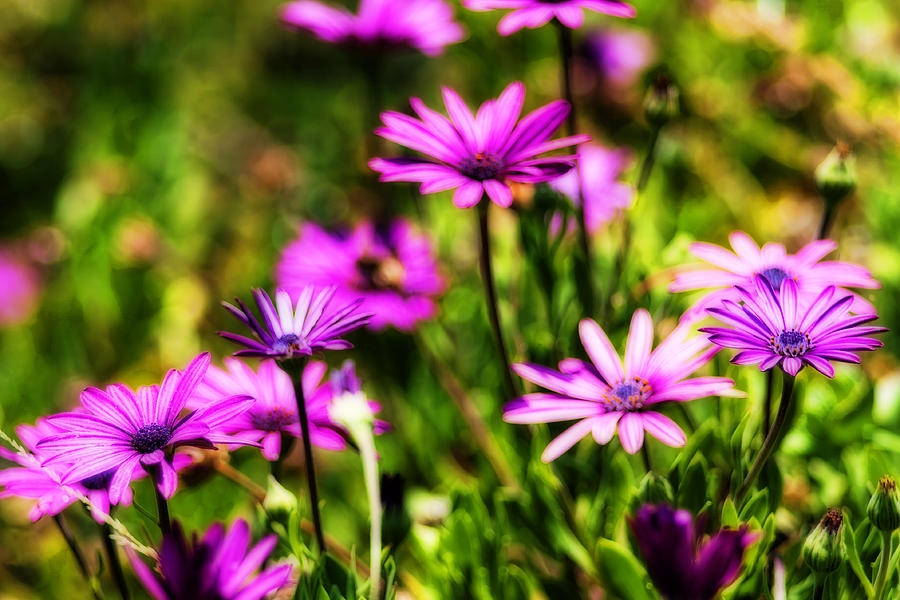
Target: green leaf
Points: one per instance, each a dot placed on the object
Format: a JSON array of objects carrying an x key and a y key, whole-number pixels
[
  {"x": 621, "y": 572},
  {"x": 757, "y": 506},
  {"x": 729, "y": 513},
  {"x": 848, "y": 539},
  {"x": 692, "y": 492}
]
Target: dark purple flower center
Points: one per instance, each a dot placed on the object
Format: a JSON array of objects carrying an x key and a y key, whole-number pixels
[
  {"x": 273, "y": 419},
  {"x": 628, "y": 394},
  {"x": 791, "y": 343},
  {"x": 775, "y": 276},
  {"x": 98, "y": 482},
  {"x": 290, "y": 343},
  {"x": 151, "y": 438},
  {"x": 380, "y": 273},
  {"x": 480, "y": 167}
]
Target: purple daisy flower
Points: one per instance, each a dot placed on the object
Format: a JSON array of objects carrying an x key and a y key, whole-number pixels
[
  {"x": 619, "y": 56},
  {"x": 275, "y": 409},
  {"x": 607, "y": 394},
  {"x": 120, "y": 430},
  {"x": 476, "y": 154},
  {"x": 312, "y": 325},
  {"x": 392, "y": 268},
  {"x": 424, "y": 25},
  {"x": 773, "y": 262},
  {"x": 220, "y": 566},
  {"x": 594, "y": 181},
  {"x": 535, "y": 13},
  {"x": 772, "y": 328},
  {"x": 681, "y": 565}
]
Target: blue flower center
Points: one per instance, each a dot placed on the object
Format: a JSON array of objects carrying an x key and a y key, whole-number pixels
[
  {"x": 273, "y": 419},
  {"x": 151, "y": 438},
  {"x": 290, "y": 343},
  {"x": 791, "y": 343},
  {"x": 98, "y": 482},
  {"x": 628, "y": 394},
  {"x": 480, "y": 167},
  {"x": 775, "y": 276}
]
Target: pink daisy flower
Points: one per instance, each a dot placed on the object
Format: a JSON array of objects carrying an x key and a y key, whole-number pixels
[
  {"x": 477, "y": 154},
  {"x": 774, "y": 263},
  {"x": 608, "y": 394},
  {"x": 391, "y": 268},
  {"x": 535, "y": 13}
]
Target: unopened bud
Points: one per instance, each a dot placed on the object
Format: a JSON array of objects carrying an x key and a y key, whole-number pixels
[
  {"x": 822, "y": 550},
  {"x": 836, "y": 175},
  {"x": 279, "y": 502},
  {"x": 661, "y": 102},
  {"x": 884, "y": 507},
  {"x": 655, "y": 489}
]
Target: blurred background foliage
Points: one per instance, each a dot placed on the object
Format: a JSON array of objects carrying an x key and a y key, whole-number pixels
[{"x": 155, "y": 157}]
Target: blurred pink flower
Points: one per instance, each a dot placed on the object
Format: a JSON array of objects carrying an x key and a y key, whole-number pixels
[
  {"x": 535, "y": 13},
  {"x": 619, "y": 55},
  {"x": 19, "y": 290},
  {"x": 425, "y": 25}
]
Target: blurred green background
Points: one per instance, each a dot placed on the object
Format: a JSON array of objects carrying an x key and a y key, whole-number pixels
[{"x": 155, "y": 158}]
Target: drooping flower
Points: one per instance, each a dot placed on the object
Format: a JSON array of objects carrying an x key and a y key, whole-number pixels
[
  {"x": 19, "y": 290},
  {"x": 476, "y": 154},
  {"x": 607, "y": 394},
  {"x": 776, "y": 265},
  {"x": 424, "y": 25},
  {"x": 593, "y": 181},
  {"x": 119, "y": 430},
  {"x": 392, "y": 268},
  {"x": 42, "y": 483},
  {"x": 274, "y": 411},
  {"x": 772, "y": 328},
  {"x": 680, "y": 564},
  {"x": 220, "y": 566},
  {"x": 535, "y": 13},
  {"x": 312, "y": 325}
]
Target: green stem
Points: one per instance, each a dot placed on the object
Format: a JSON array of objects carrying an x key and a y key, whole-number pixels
[
  {"x": 884, "y": 564},
  {"x": 649, "y": 160},
  {"x": 78, "y": 555},
  {"x": 767, "y": 402},
  {"x": 276, "y": 466},
  {"x": 827, "y": 219},
  {"x": 645, "y": 454},
  {"x": 490, "y": 291},
  {"x": 112, "y": 556},
  {"x": 296, "y": 372},
  {"x": 162, "y": 506},
  {"x": 369, "y": 457},
  {"x": 771, "y": 440}
]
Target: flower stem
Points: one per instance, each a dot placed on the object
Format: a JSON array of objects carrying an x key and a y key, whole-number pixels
[
  {"x": 649, "y": 159},
  {"x": 566, "y": 53},
  {"x": 771, "y": 440},
  {"x": 884, "y": 564},
  {"x": 297, "y": 376},
  {"x": 366, "y": 442},
  {"x": 645, "y": 454},
  {"x": 162, "y": 505},
  {"x": 112, "y": 556},
  {"x": 490, "y": 291},
  {"x": 827, "y": 219},
  {"x": 78, "y": 555},
  {"x": 767, "y": 402},
  {"x": 287, "y": 444}
]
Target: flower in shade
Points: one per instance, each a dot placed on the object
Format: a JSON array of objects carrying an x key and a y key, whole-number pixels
[
  {"x": 594, "y": 182},
  {"x": 391, "y": 268},
  {"x": 781, "y": 327},
  {"x": 119, "y": 430},
  {"x": 275, "y": 411},
  {"x": 476, "y": 154},
  {"x": 776, "y": 265},
  {"x": 42, "y": 484},
  {"x": 681, "y": 564},
  {"x": 424, "y": 25},
  {"x": 609, "y": 394},
  {"x": 312, "y": 325},
  {"x": 619, "y": 55},
  {"x": 535, "y": 13},
  {"x": 220, "y": 566},
  {"x": 19, "y": 290}
]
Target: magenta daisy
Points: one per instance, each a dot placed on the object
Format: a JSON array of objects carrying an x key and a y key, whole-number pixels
[
  {"x": 594, "y": 181},
  {"x": 220, "y": 566},
  {"x": 781, "y": 327},
  {"x": 391, "y": 268},
  {"x": 312, "y": 325},
  {"x": 120, "y": 430},
  {"x": 775, "y": 264},
  {"x": 477, "y": 154},
  {"x": 609, "y": 394},
  {"x": 423, "y": 25},
  {"x": 535, "y": 13},
  {"x": 275, "y": 411}
]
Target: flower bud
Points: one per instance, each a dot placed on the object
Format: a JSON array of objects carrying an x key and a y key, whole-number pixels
[
  {"x": 836, "y": 175},
  {"x": 884, "y": 507},
  {"x": 822, "y": 550},
  {"x": 655, "y": 489},
  {"x": 279, "y": 503},
  {"x": 661, "y": 102}
]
